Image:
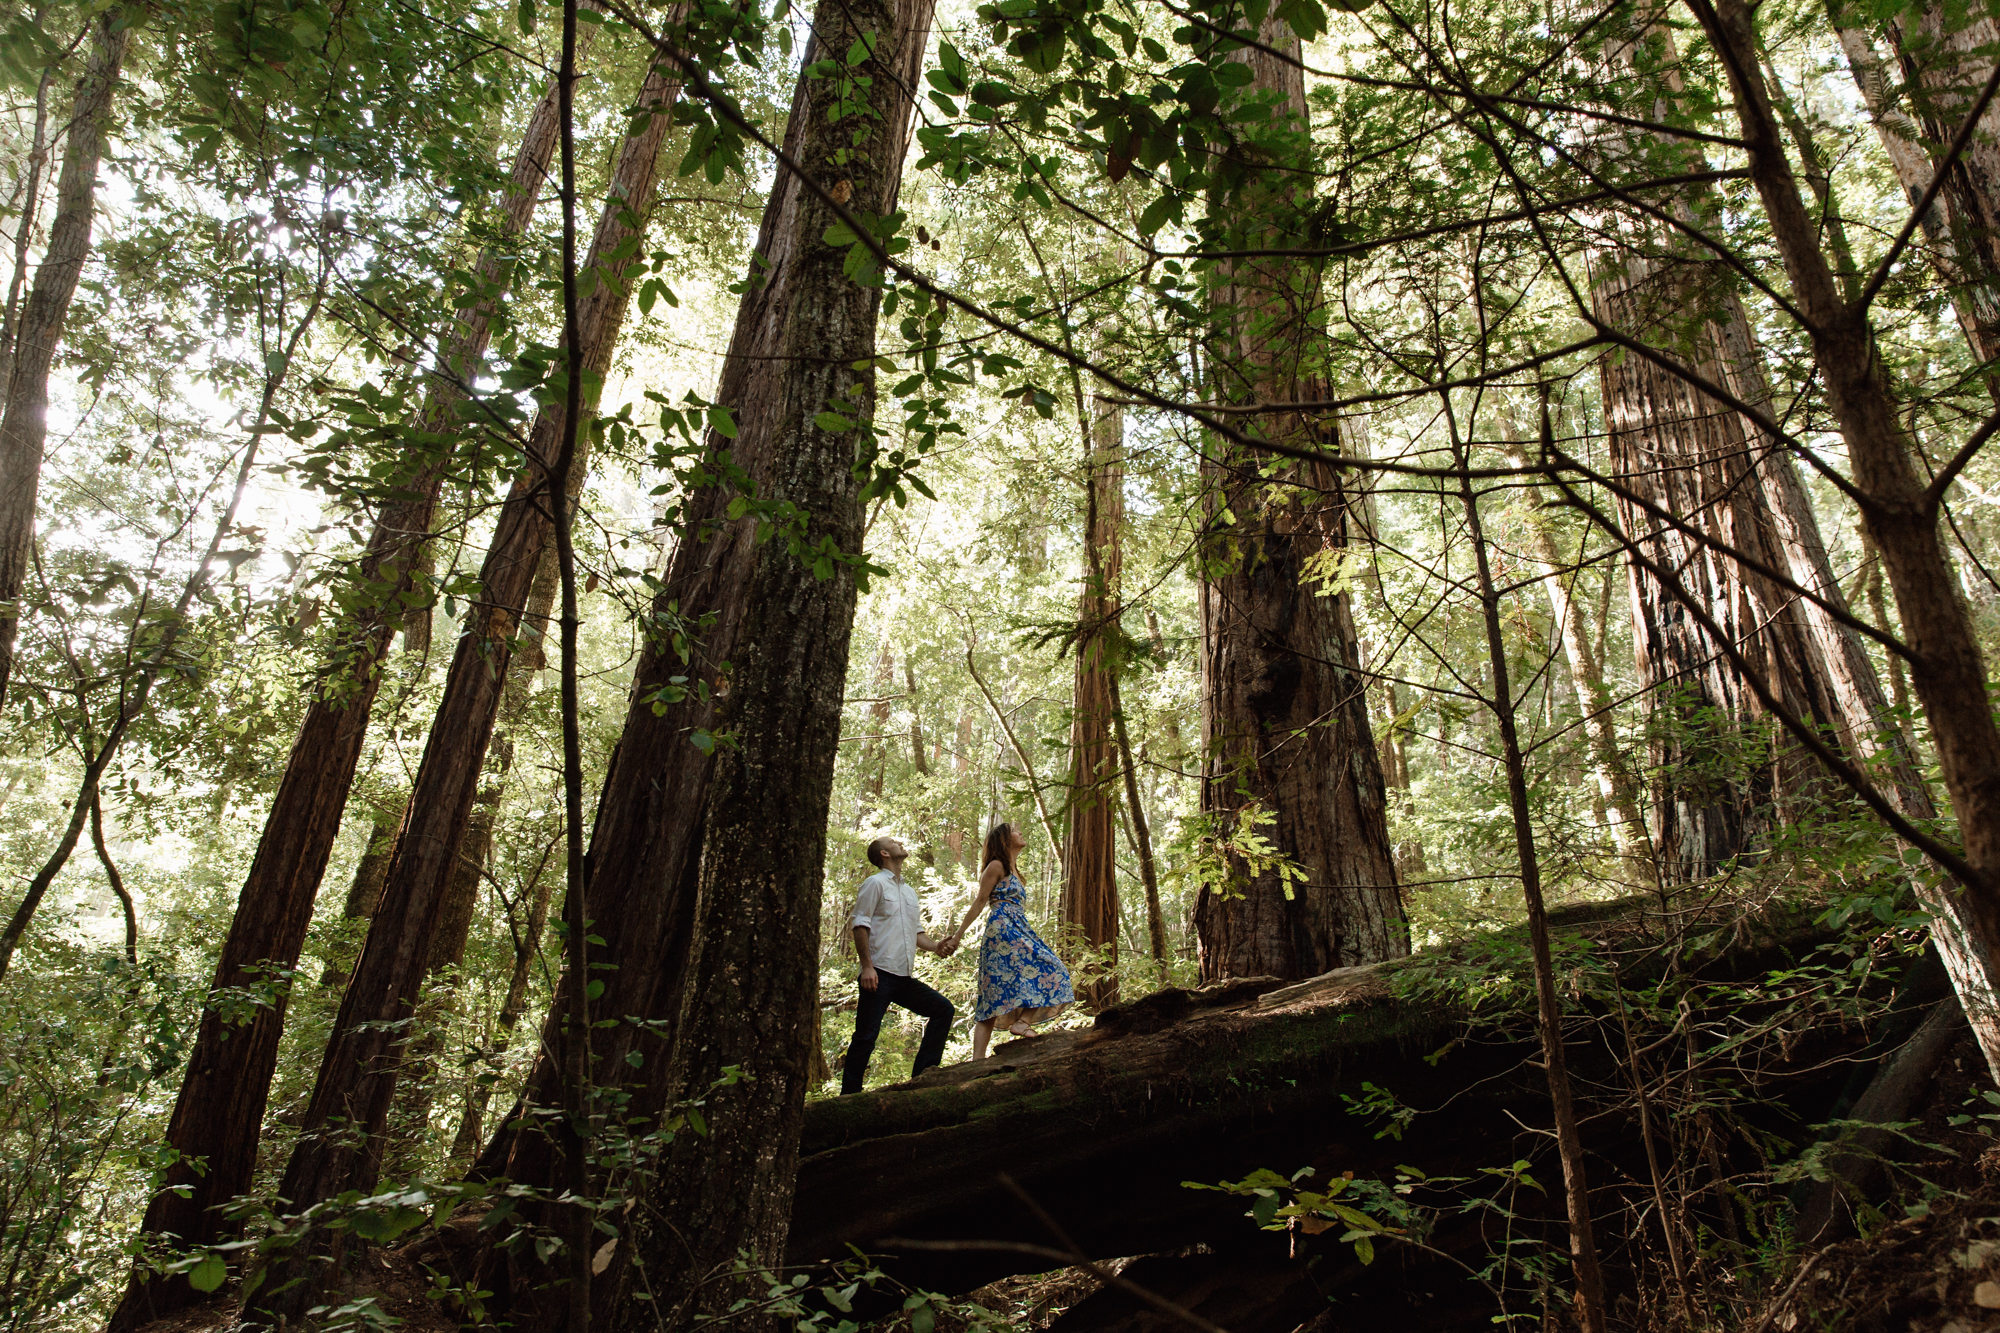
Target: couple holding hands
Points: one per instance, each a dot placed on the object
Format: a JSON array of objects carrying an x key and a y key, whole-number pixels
[{"x": 1021, "y": 981}]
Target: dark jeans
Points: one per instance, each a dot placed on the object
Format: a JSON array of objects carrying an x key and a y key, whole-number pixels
[{"x": 906, "y": 993}]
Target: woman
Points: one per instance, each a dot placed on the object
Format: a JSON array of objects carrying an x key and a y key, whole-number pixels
[{"x": 1021, "y": 981}]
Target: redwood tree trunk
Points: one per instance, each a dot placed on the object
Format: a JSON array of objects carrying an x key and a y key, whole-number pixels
[
  {"x": 1284, "y": 708},
  {"x": 1090, "y": 886},
  {"x": 24, "y": 420},
  {"x": 705, "y": 870},
  {"x": 1947, "y": 668},
  {"x": 221, "y": 1104},
  {"x": 1725, "y": 777},
  {"x": 359, "y": 1070}
]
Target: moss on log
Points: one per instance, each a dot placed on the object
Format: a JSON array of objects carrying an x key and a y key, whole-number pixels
[{"x": 1102, "y": 1127}]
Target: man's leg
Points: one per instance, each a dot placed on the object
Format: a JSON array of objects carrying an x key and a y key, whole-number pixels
[
  {"x": 867, "y": 1027},
  {"x": 926, "y": 1003}
]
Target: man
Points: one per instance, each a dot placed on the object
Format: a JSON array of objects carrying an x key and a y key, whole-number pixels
[{"x": 888, "y": 931}]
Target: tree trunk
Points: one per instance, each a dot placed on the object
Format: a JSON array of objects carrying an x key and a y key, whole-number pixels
[
  {"x": 1284, "y": 711},
  {"x": 1140, "y": 831},
  {"x": 1256, "y": 1079},
  {"x": 359, "y": 1070},
  {"x": 1724, "y": 779},
  {"x": 364, "y": 891},
  {"x": 1375, "y": 659},
  {"x": 918, "y": 758},
  {"x": 875, "y": 749},
  {"x": 24, "y": 420},
  {"x": 1090, "y": 885},
  {"x": 1616, "y": 784},
  {"x": 1947, "y": 669},
  {"x": 752, "y": 995},
  {"x": 222, "y": 1098},
  {"x": 527, "y": 948},
  {"x": 1945, "y": 58},
  {"x": 647, "y": 858},
  {"x": 461, "y": 897},
  {"x": 1588, "y": 1298}
]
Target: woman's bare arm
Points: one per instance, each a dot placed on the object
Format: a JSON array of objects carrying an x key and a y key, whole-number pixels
[{"x": 987, "y": 879}]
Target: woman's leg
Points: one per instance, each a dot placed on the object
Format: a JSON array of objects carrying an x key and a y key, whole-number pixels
[{"x": 982, "y": 1033}]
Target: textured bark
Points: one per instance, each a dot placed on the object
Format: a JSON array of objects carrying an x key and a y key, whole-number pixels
[
  {"x": 1718, "y": 472},
  {"x": 24, "y": 419},
  {"x": 752, "y": 993},
  {"x": 1947, "y": 668},
  {"x": 460, "y": 906},
  {"x": 1140, "y": 830},
  {"x": 222, "y": 1098},
  {"x": 361, "y": 1065},
  {"x": 1284, "y": 711},
  {"x": 1724, "y": 780},
  {"x": 662, "y": 938},
  {"x": 1090, "y": 883}
]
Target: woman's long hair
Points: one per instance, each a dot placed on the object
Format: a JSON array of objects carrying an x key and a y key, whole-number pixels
[{"x": 1000, "y": 847}]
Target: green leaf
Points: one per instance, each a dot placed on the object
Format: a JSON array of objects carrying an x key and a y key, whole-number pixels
[
  {"x": 207, "y": 1275},
  {"x": 832, "y": 422},
  {"x": 524, "y": 15}
]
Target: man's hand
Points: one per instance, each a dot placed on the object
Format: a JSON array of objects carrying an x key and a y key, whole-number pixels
[{"x": 869, "y": 981}]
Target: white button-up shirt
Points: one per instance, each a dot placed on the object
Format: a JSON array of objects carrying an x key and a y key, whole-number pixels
[{"x": 889, "y": 908}]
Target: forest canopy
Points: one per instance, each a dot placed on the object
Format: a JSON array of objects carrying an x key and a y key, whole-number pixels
[{"x": 502, "y": 507}]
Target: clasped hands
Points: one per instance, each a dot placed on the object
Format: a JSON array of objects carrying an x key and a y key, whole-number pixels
[{"x": 946, "y": 945}]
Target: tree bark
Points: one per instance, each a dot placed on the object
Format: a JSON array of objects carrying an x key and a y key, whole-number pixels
[
  {"x": 460, "y": 907},
  {"x": 223, "y": 1094},
  {"x": 1724, "y": 780},
  {"x": 1947, "y": 668},
  {"x": 358, "y": 1072},
  {"x": 1284, "y": 710},
  {"x": 1090, "y": 882},
  {"x": 669, "y": 911},
  {"x": 24, "y": 420},
  {"x": 1944, "y": 57},
  {"x": 752, "y": 995}
]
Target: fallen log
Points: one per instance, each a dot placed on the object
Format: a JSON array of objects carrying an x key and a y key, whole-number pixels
[{"x": 1102, "y": 1127}]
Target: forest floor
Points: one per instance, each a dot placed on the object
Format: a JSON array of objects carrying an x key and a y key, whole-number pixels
[{"x": 1937, "y": 1271}]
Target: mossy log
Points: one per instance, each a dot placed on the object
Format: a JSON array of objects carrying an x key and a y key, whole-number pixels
[{"x": 1102, "y": 1127}]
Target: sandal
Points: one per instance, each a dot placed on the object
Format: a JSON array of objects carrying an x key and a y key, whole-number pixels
[{"x": 1022, "y": 1029}]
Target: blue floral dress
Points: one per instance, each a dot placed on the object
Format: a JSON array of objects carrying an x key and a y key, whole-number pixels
[{"x": 1017, "y": 968}]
